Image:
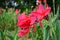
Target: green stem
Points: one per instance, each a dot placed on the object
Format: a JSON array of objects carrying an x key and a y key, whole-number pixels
[
  {"x": 51, "y": 26},
  {"x": 3, "y": 35},
  {"x": 54, "y": 6},
  {"x": 44, "y": 35},
  {"x": 15, "y": 35},
  {"x": 45, "y": 4}
]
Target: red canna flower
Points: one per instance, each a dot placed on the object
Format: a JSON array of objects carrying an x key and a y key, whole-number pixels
[
  {"x": 23, "y": 21},
  {"x": 42, "y": 12}
]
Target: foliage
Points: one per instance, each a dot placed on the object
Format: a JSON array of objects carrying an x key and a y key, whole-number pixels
[{"x": 8, "y": 24}]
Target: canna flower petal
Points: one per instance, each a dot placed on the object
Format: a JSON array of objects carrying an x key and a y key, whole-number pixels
[
  {"x": 32, "y": 17},
  {"x": 23, "y": 21},
  {"x": 40, "y": 8},
  {"x": 47, "y": 10},
  {"x": 22, "y": 32}
]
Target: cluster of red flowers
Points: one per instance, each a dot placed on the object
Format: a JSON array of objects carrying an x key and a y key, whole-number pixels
[{"x": 25, "y": 22}]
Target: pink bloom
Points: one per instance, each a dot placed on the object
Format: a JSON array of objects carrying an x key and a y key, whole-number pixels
[
  {"x": 24, "y": 24},
  {"x": 32, "y": 17},
  {"x": 42, "y": 12},
  {"x": 16, "y": 11},
  {"x": 40, "y": 8},
  {"x": 23, "y": 21},
  {"x": 47, "y": 10},
  {"x": 23, "y": 32}
]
